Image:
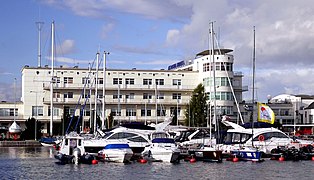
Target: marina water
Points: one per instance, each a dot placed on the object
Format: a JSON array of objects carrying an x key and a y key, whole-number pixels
[{"x": 39, "y": 163}]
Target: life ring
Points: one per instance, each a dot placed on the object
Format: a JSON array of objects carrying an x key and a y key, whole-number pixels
[{"x": 261, "y": 138}]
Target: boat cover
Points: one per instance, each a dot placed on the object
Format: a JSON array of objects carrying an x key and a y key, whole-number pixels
[
  {"x": 117, "y": 146},
  {"x": 163, "y": 140}
]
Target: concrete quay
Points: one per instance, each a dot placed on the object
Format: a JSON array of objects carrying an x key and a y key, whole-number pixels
[{"x": 27, "y": 143}]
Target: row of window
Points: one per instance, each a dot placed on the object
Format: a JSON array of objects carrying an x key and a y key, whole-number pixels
[
  {"x": 118, "y": 96},
  {"x": 128, "y": 81},
  {"x": 146, "y": 112},
  {"x": 220, "y": 81},
  {"x": 220, "y": 66},
  {"x": 225, "y": 96},
  {"x": 8, "y": 112},
  {"x": 39, "y": 111}
]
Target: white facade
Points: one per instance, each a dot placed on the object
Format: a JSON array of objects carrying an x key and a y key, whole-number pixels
[{"x": 128, "y": 93}]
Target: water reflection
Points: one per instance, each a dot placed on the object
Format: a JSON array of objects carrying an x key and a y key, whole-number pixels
[{"x": 39, "y": 163}]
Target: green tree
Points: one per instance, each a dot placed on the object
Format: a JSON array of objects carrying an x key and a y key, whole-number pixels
[
  {"x": 196, "y": 113},
  {"x": 29, "y": 132}
]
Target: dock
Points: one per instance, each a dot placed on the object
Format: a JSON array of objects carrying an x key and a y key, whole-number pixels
[{"x": 27, "y": 143}]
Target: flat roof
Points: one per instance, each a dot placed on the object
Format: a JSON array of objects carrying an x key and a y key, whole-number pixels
[
  {"x": 100, "y": 69},
  {"x": 207, "y": 52}
]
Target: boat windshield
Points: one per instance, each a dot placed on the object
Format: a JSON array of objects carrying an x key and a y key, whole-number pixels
[
  {"x": 159, "y": 135},
  {"x": 236, "y": 138},
  {"x": 107, "y": 135}
]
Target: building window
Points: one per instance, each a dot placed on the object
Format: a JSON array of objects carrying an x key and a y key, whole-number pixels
[
  {"x": 37, "y": 111},
  {"x": 67, "y": 110},
  {"x": 161, "y": 96},
  {"x": 176, "y": 82},
  {"x": 100, "y": 81},
  {"x": 68, "y": 80},
  {"x": 147, "y": 81},
  {"x": 115, "y": 112},
  {"x": 148, "y": 112},
  {"x": 160, "y": 82},
  {"x": 224, "y": 110},
  {"x": 147, "y": 96},
  {"x": 161, "y": 112},
  {"x": 8, "y": 112},
  {"x": 56, "y": 95},
  {"x": 130, "y": 112},
  {"x": 129, "y": 81},
  {"x": 56, "y": 79},
  {"x": 207, "y": 67},
  {"x": 86, "y": 95},
  {"x": 115, "y": 96},
  {"x": 176, "y": 96},
  {"x": 68, "y": 95},
  {"x": 173, "y": 110},
  {"x": 85, "y": 80},
  {"x": 226, "y": 96},
  {"x": 117, "y": 80},
  {"x": 129, "y": 96},
  {"x": 86, "y": 112},
  {"x": 56, "y": 111}
]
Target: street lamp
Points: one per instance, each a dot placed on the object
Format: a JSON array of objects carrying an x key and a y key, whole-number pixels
[{"x": 36, "y": 115}]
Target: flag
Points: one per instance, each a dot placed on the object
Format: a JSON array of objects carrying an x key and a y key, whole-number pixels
[{"x": 265, "y": 113}]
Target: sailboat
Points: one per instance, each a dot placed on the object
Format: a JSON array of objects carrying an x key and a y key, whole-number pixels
[
  {"x": 209, "y": 153},
  {"x": 249, "y": 153}
]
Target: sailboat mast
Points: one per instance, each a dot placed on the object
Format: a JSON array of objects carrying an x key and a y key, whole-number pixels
[
  {"x": 52, "y": 76},
  {"x": 14, "y": 100},
  {"x": 104, "y": 92},
  {"x": 253, "y": 82},
  {"x": 214, "y": 73},
  {"x": 96, "y": 89},
  {"x": 90, "y": 95}
]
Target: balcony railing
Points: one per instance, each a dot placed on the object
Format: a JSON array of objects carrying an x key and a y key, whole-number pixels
[{"x": 60, "y": 86}]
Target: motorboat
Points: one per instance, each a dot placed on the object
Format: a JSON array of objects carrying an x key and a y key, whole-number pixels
[
  {"x": 136, "y": 139},
  {"x": 49, "y": 141},
  {"x": 206, "y": 153},
  {"x": 264, "y": 139},
  {"x": 162, "y": 148},
  {"x": 286, "y": 154},
  {"x": 120, "y": 153},
  {"x": 247, "y": 154},
  {"x": 72, "y": 150},
  {"x": 195, "y": 136}
]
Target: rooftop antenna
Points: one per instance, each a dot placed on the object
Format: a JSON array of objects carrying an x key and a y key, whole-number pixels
[{"x": 39, "y": 25}]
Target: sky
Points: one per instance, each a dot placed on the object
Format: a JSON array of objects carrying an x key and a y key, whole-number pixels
[{"x": 148, "y": 34}]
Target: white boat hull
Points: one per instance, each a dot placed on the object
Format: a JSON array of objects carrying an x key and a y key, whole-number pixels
[
  {"x": 159, "y": 153},
  {"x": 116, "y": 155}
]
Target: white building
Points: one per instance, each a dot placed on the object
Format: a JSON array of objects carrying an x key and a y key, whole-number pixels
[
  {"x": 131, "y": 95},
  {"x": 295, "y": 112}
]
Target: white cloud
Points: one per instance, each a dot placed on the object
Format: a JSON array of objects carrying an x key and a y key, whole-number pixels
[
  {"x": 155, "y": 62},
  {"x": 106, "y": 29},
  {"x": 284, "y": 34},
  {"x": 172, "y": 37},
  {"x": 66, "y": 47}
]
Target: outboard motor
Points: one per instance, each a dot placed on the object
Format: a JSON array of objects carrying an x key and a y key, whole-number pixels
[{"x": 77, "y": 155}]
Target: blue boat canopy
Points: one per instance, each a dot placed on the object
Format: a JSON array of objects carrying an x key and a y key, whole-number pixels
[
  {"x": 163, "y": 140},
  {"x": 48, "y": 140},
  {"x": 117, "y": 146}
]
